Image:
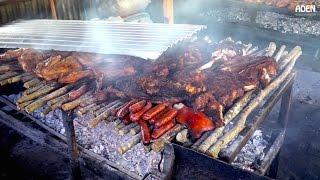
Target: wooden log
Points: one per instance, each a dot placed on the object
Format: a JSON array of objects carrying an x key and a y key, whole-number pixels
[
  {"x": 105, "y": 107},
  {"x": 183, "y": 137},
  {"x": 73, "y": 104},
  {"x": 240, "y": 125},
  {"x": 119, "y": 126},
  {"x": 251, "y": 51},
  {"x": 279, "y": 53},
  {"x": 27, "y": 77},
  {"x": 123, "y": 148},
  {"x": 228, "y": 117},
  {"x": 296, "y": 50},
  {"x": 81, "y": 111},
  {"x": 53, "y": 9},
  {"x": 42, "y": 101},
  {"x": 35, "y": 88},
  {"x": 127, "y": 128},
  {"x": 8, "y": 75},
  {"x": 46, "y": 111},
  {"x": 38, "y": 93},
  {"x": 159, "y": 144},
  {"x": 63, "y": 98},
  {"x": 117, "y": 121},
  {"x": 135, "y": 130},
  {"x": 11, "y": 80},
  {"x": 94, "y": 122},
  {"x": 201, "y": 139},
  {"x": 33, "y": 82},
  {"x": 271, "y": 49},
  {"x": 24, "y": 104},
  {"x": 247, "y": 48},
  {"x": 5, "y": 68}
]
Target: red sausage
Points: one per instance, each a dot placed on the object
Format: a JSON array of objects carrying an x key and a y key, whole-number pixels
[
  {"x": 163, "y": 129},
  {"x": 145, "y": 132},
  {"x": 166, "y": 117},
  {"x": 153, "y": 111},
  {"x": 153, "y": 120},
  {"x": 137, "y": 106},
  {"x": 125, "y": 109},
  {"x": 135, "y": 117}
]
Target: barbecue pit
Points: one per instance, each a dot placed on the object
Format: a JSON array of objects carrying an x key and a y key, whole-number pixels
[{"x": 176, "y": 159}]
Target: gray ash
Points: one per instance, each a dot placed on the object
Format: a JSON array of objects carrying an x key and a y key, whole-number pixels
[
  {"x": 253, "y": 151},
  {"x": 104, "y": 140}
]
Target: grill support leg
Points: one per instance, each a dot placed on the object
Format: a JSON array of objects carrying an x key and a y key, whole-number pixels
[
  {"x": 73, "y": 152},
  {"x": 285, "y": 107}
]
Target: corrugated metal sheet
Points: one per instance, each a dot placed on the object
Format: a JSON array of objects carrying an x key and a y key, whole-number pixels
[{"x": 147, "y": 41}]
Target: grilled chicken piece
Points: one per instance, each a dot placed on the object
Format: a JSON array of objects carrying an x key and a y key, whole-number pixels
[
  {"x": 11, "y": 54},
  {"x": 75, "y": 76},
  {"x": 30, "y": 58},
  {"x": 57, "y": 67}
]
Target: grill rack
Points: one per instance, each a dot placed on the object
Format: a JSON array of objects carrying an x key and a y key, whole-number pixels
[{"x": 174, "y": 157}]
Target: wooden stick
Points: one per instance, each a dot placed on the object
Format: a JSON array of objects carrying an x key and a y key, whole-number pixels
[
  {"x": 296, "y": 50},
  {"x": 73, "y": 104},
  {"x": 24, "y": 104},
  {"x": 228, "y": 117},
  {"x": 254, "y": 49},
  {"x": 201, "y": 139},
  {"x": 33, "y": 82},
  {"x": 63, "y": 98},
  {"x": 127, "y": 129},
  {"x": 271, "y": 49},
  {"x": 42, "y": 101},
  {"x": 159, "y": 144},
  {"x": 46, "y": 111},
  {"x": 128, "y": 145},
  {"x": 230, "y": 135},
  {"x": 35, "y": 88},
  {"x": 53, "y": 9},
  {"x": 135, "y": 130},
  {"x": 81, "y": 111},
  {"x": 168, "y": 11},
  {"x": 279, "y": 53},
  {"x": 7, "y": 67},
  {"x": 11, "y": 80},
  {"x": 8, "y": 75},
  {"x": 119, "y": 126},
  {"x": 94, "y": 122},
  {"x": 38, "y": 93},
  {"x": 105, "y": 107},
  {"x": 182, "y": 137}
]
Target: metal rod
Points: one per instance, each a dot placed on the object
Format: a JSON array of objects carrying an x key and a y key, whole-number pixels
[{"x": 75, "y": 172}]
